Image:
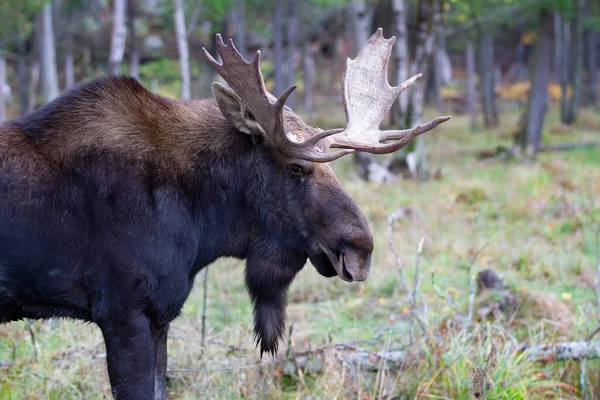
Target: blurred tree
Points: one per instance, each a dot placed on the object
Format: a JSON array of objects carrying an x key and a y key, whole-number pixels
[
  {"x": 45, "y": 33},
  {"x": 182, "y": 48},
  {"x": 576, "y": 45},
  {"x": 292, "y": 44},
  {"x": 529, "y": 138},
  {"x": 119, "y": 35},
  {"x": 278, "y": 47},
  {"x": 238, "y": 17},
  {"x": 3, "y": 87},
  {"x": 133, "y": 46},
  {"x": 471, "y": 86}
]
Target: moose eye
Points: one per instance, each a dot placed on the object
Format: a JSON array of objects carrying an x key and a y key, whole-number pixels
[{"x": 296, "y": 169}]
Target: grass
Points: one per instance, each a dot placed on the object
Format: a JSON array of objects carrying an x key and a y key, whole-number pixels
[{"x": 538, "y": 221}]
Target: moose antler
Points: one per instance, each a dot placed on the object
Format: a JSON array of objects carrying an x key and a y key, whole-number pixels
[
  {"x": 368, "y": 96},
  {"x": 247, "y": 82}
]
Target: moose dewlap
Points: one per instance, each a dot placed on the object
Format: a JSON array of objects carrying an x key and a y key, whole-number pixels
[{"x": 112, "y": 198}]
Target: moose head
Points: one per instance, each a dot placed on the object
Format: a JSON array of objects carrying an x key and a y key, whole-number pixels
[{"x": 301, "y": 203}]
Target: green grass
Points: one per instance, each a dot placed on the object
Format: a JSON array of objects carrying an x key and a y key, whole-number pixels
[{"x": 538, "y": 221}]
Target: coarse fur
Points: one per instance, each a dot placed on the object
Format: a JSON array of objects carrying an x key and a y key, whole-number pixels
[{"x": 112, "y": 198}]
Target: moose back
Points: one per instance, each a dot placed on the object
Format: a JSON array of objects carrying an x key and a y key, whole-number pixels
[{"x": 112, "y": 198}]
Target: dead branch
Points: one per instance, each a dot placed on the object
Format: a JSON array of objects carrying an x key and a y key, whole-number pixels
[
  {"x": 564, "y": 351},
  {"x": 567, "y": 146}
]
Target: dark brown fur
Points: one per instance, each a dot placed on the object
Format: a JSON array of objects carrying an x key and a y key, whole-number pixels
[{"x": 113, "y": 198}]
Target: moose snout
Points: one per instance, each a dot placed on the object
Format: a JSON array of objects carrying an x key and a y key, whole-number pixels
[{"x": 355, "y": 267}]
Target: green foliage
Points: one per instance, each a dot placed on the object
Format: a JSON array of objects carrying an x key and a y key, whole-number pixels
[{"x": 17, "y": 18}]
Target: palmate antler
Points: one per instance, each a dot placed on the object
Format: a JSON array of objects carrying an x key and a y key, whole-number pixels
[{"x": 367, "y": 97}]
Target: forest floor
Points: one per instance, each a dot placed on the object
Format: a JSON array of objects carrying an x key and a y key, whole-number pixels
[{"x": 534, "y": 223}]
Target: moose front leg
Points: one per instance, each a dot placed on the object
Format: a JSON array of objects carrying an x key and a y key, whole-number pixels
[
  {"x": 268, "y": 277},
  {"x": 131, "y": 356},
  {"x": 160, "y": 375}
]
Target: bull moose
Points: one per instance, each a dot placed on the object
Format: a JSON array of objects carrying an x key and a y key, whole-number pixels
[{"x": 112, "y": 198}]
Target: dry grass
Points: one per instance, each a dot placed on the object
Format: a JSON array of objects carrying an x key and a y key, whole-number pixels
[{"x": 538, "y": 223}]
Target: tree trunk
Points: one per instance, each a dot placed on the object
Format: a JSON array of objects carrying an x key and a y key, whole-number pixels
[
  {"x": 238, "y": 20},
  {"x": 309, "y": 74},
  {"x": 471, "y": 90},
  {"x": 538, "y": 95},
  {"x": 367, "y": 166},
  {"x": 292, "y": 42},
  {"x": 592, "y": 68},
  {"x": 429, "y": 16},
  {"x": 119, "y": 35},
  {"x": 401, "y": 52},
  {"x": 69, "y": 61},
  {"x": 182, "y": 48},
  {"x": 564, "y": 34},
  {"x": 577, "y": 72},
  {"x": 278, "y": 47},
  {"x": 486, "y": 74},
  {"x": 134, "y": 53},
  {"x": 22, "y": 72},
  {"x": 34, "y": 83},
  {"x": 48, "y": 54},
  {"x": 2, "y": 87}
]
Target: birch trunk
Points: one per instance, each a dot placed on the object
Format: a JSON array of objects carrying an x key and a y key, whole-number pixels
[
  {"x": 401, "y": 52},
  {"x": 22, "y": 72},
  {"x": 429, "y": 17},
  {"x": 292, "y": 32},
  {"x": 278, "y": 47},
  {"x": 182, "y": 48},
  {"x": 538, "y": 95},
  {"x": 367, "y": 166},
  {"x": 2, "y": 87},
  {"x": 471, "y": 89},
  {"x": 239, "y": 22},
  {"x": 134, "y": 53},
  {"x": 34, "y": 83},
  {"x": 48, "y": 54},
  {"x": 69, "y": 59},
  {"x": 119, "y": 35},
  {"x": 309, "y": 73}
]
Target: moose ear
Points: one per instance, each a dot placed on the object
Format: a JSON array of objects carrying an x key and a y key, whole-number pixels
[{"x": 235, "y": 111}]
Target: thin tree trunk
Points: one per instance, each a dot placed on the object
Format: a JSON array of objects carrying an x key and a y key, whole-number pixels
[
  {"x": 119, "y": 35},
  {"x": 34, "y": 83},
  {"x": 238, "y": 17},
  {"x": 22, "y": 72},
  {"x": 278, "y": 47},
  {"x": 292, "y": 32},
  {"x": 2, "y": 87},
  {"x": 367, "y": 166},
  {"x": 577, "y": 72},
  {"x": 48, "y": 54},
  {"x": 401, "y": 52},
  {"x": 538, "y": 95},
  {"x": 69, "y": 59},
  {"x": 429, "y": 17},
  {"x": 592, "y": 68},
  {"x": 471, "y": 89},
  {"x": 309, "y": 73},
  {"x": 182, "y": 47},
  {"x": 134, "y": 53},
  {"x": 486, "y": 73},
  {"x": 564, "y": 34}
]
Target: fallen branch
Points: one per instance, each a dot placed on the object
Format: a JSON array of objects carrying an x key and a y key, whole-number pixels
[
  {"x": 564, "y": 351},
  {"x": 567, "y": 146}
]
